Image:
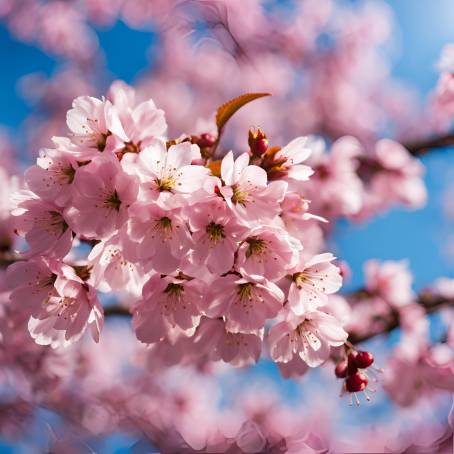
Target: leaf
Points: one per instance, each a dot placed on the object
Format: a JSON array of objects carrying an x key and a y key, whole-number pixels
[
  {"x": 215, "y": 167},
  {"x": 225, "y": 112}
]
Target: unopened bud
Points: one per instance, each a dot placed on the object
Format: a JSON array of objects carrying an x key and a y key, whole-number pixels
[{"x": 258, "y": 143}]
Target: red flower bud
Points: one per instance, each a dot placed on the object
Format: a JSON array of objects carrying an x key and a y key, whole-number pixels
[
  {"x": 356, "y": 383},
  {"x": 341, "y": 369},
  {"x": 206, "y": 140},
  {"x": 364, "y": 359}
]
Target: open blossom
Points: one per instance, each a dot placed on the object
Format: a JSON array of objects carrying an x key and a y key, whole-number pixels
[
  {"x": 111, "y": 271},
  {"x": 101, "y": 199},
  {"x": 390, "y": 175},
  {"x": 156, "y": 238},
  {"x": 245, "y": 304},
  {"x": 60, "y": 304},
  {"x": 32, "y": 282},
  {"x": 91, "y": 122},
  {"x": 389, "y": 280},
  {"x": 310, "y": 337},
  {"x": 215, "y": 233},
  {"x": 141, "y": 121},
  {"x": 246, "y": 190},
  {"x": 291, "y": 169},
  {"x": 167, "y": 176},
  {"x": 68, "y": 313},
  {"x": 52, "y": 176},
  {"x": 268, "y": 252},
  {"x": 167, "y": 302},
  {"x": 312, "y": 282},
  {"x": 237, "y": 349},
  {"x": 335, "y": 188},
  {"x": 43, "y": 226}
]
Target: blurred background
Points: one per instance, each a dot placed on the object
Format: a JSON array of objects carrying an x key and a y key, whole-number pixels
[{"x": 38, "y": 81}]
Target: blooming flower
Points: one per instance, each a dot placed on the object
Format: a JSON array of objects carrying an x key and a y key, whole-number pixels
[
  {"x": 111, "y": 271},
  {"x": 167, "y": 176},
  {"x": 32, "y": 282},
  {"x": 43, "y": 225},
  {"x": 67, "y": 314},
  {"x": 52, "y": 177},
  {"x": 245, "y": 304},
  {"x": 142, "y": 122},
  {"x": 309, "y": 337},
  {"x": 102, "y": 196},
  {"x": 389, "y": 280},
  {"x": 268, "y": 252},
  {"x": 215, "y": 233},
  {"x": 291, "y": 156},
  {"x": 92, "y": 121},
  {"x": 167, "y": 302},
  {"x": 246, "y": 190},
  {"x": 155, "y": 237},
  {"x": 237, "y": 349},
  {"x": 312, "y": 282}
]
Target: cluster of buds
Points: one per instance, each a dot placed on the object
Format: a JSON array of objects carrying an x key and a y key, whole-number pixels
[
  {"x": 258, "y": 142},
  {"x": 352, "y": 370},
  {"x": 206, "y": 142}
]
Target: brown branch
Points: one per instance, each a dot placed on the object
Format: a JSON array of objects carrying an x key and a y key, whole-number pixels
[
  {"x": 424, "y": 146},
  {"x": 121, "y": 311},
  {"x": 429, "y": 301}
]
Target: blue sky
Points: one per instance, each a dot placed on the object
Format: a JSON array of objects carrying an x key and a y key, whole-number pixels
[
  {"x": 425, "y": 26},
  {"x": 423, "y": 30}
]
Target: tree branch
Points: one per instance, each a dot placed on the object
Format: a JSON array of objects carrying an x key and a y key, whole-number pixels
[
  {"x": 424, "y": 146},
  {"x": 429, "y": 301},
  {"x": 121, "y": 311}
]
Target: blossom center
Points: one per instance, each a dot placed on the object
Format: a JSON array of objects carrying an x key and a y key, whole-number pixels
[
  {"x": 245, "y": 291},
  {"x": 166, "y": 183},
  {"x": 256, "y": 246},
  {"x": 215, "y": 231},
  {"x": 239, "y": 195},
  {"x": 113, "y": 201}
]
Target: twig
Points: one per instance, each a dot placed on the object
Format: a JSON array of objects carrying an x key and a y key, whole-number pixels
[{"x": 424, "y": 146}]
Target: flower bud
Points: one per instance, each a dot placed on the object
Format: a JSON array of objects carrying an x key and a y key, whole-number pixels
[
  {"x": 258, "y": 143},
  {"x": 356, "y": 383},
  {"x": 364, "y": 359}
]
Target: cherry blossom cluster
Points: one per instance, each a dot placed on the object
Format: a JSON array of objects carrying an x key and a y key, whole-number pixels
[{"x": 210, "y": 250}]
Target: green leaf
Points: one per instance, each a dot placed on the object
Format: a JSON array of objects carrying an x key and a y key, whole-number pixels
[{"x": 225, "y": 112}]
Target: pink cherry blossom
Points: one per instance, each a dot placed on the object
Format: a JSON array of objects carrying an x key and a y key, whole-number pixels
[
  {"x": 167, "y": 302},
  {"x": 246, "y": 190},
  {"x": 43, "y": 226},
  {"x": 293, "y": 154},
  {"x": 111, "y": 271},
  {"x": 268, "y": 252},
  {"x": 101, "y": 199},
  {"x": 157, "y": 238},
  {"x": 67, "y": 314},
  {"x": 33, "y": 283},
  {"x": 312, "y": 282},
  {"x": 141, "y": 121},
  {"x": 245, "y": 304},
  {"x": 167, "y": 175},
  {"x": 390, "y": 175},
  {"x": 390, "y": 280},
  {"x": 237, "y": 349},
  {"x": 309, "y": 337},
  {"x": 215, "y": 232},
  {"x": 53, "y": 175},
  {"x": 335, "y": 172},
  {"x": 91, "y": 122}
]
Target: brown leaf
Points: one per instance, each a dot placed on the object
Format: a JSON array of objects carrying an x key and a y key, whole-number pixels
[
  {"x": 215, "y": 167},
  {"x": 225, "y": 112}
]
